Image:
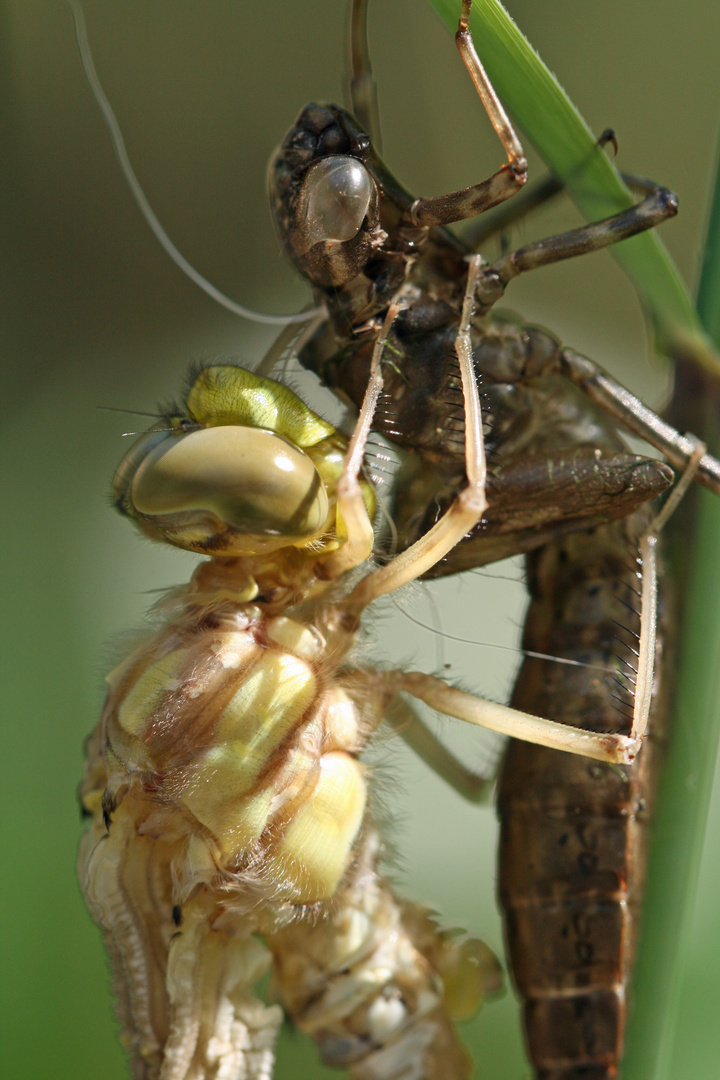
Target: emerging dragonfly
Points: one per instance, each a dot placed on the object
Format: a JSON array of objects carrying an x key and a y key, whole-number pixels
[
  {"x": 223, "y": 783},
  {"x": 449, "y": 265}
]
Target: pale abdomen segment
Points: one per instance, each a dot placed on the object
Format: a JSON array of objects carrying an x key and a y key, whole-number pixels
[
  {"x": 573, "y": 831},
  {"x": 377, "y": 984}
]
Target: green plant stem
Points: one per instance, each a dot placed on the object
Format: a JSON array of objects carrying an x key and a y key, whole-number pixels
[{"x": 684, "y": 797}]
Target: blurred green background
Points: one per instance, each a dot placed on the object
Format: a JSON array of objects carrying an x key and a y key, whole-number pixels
[{"x": 98, "y": 316}]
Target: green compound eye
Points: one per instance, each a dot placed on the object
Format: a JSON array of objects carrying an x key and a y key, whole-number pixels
[
  {"x": 239, "y": 489},
  {"x": 245, "y": 473}
]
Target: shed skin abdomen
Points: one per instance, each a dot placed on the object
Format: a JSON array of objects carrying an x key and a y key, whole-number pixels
[{"x": 574, "y": 832}]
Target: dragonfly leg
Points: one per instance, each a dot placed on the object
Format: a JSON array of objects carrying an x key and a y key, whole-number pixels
[
  {"x": 412, "y": 729},
  {"x": 351, "y": 506},
  {"x": 469, "y": 505},
  {"x": 459, "y": 205},
  {"x": 630, "y": 412},
  {"x": 655, "y": 208},
  {"x": 496, "y": 114},
  {"x": 648, "y": 608},
  {"x": 600, "y": 746},
  {"x": 536, "y": 194},
  {"x": 518, "y": 725}
]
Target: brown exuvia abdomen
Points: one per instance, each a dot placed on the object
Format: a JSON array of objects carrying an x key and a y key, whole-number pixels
[{"x": 574, "y": 831}]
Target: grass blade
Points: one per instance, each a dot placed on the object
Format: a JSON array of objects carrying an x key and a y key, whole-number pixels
[{"x": 689, "y": 772}]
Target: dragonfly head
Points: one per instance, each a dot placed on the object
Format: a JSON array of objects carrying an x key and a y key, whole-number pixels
[
  {"x": 243, "y": 468},
  {"x": 332, "y": 199}
]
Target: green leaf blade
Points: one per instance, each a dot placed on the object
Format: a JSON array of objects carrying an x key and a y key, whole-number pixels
[{"x": 654, "y": 1045}]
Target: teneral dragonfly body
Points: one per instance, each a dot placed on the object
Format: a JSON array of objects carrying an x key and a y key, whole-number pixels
[
  {"x": 226, "y": 798},
  {"x": 228, "y": 815}
]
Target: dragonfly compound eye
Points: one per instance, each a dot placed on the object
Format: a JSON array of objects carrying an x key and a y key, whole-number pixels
[
  {"x": 335, "y": 199},
  {"x": 228, "y": 490}
]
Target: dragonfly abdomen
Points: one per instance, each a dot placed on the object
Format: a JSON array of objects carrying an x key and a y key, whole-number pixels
[{"x": 574, "y": 831}]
